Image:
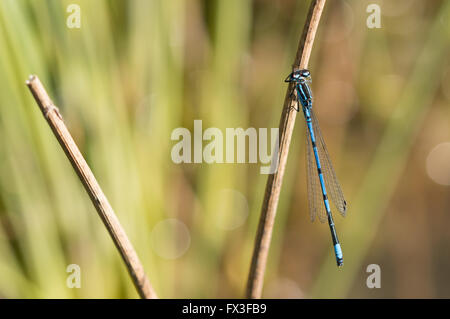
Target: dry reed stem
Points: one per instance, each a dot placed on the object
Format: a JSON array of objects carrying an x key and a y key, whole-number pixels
[
  {"x": 273, "y": 186},
  {"x": 104, "y": 209}
]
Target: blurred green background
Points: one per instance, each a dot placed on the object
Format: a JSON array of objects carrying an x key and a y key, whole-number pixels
[{"x": 138, "y": 69}]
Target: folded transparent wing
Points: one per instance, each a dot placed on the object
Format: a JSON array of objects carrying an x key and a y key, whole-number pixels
[
  {"x": 315, "y": 198},
  {"x": 332, "y": 185}
]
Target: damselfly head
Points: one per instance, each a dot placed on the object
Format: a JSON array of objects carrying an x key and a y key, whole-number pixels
[{"x": 299, "y": 76}]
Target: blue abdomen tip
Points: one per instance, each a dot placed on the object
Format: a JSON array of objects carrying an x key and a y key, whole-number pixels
[{"x": 338, "y": 251}]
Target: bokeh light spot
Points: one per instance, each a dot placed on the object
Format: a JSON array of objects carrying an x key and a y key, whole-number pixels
[
  {"x": 232, "y": 209},
  {"x": 284, "y": 288},
  {"x": 398, "y": 7},
  {"x": 170, "y": 238},
  {"x": 438, "y": 164},
  {"x": 342, "y": 22}
]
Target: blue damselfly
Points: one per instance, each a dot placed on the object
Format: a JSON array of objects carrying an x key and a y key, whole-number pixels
[{"x": 320, "y": 173}]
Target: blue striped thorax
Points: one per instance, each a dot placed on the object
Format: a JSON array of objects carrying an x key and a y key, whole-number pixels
[{"x": 301, "y": 78}]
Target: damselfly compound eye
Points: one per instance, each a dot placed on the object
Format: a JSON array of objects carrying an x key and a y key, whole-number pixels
[{"x": 305, "y": 73}]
